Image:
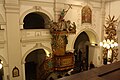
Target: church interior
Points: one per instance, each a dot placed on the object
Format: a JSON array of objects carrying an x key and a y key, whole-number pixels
[{"x": 59, "y": 40}]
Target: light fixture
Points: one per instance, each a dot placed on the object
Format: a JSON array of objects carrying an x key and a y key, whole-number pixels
[{"x": 108, "y": 44}]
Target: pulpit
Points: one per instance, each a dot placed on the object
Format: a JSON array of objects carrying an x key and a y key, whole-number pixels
[
  {"x": 64, "y": 62},
  {"x": 60, "y": 30}
]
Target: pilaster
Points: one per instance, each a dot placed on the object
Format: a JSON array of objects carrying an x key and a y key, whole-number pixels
[
  {"x": 102, "y": 18},
  {"x": 102, "y": 27},
  {"x": 57, "y": 10},
  {"x": 11, "y": 1},
  {"x": 13, "y": 38}
]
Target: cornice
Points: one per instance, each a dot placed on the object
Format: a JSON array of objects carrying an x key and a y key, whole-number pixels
[
  {"x": 36, "y": 3},
  {"x": 2, "y": 43},
  {"x": 12, "y": 8},
  {"x": 35, "y": 40},
  {"x": 43, "y": 3}
]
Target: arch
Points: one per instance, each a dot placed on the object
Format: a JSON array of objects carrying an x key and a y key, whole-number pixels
[
  {"x": 82, "y": 39},
  {"x": 35, "y": 20},
  {"x": 45, "y": 14},
  {"x": 4, "y": 61},
  {"x": 35, "y": 48},
  {"x": 93, "y": 37}
]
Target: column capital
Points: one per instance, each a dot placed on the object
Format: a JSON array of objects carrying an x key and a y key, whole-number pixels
[{"x": 12, "y": 8}]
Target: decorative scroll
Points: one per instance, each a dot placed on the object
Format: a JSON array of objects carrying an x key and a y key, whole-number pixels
[
  {"x": 48, "y": 65},
  {"x": 59, "y": 44},
  {"x": 86, "y": 15},
  {"x": 59, "y": 31},
  {"x": 62, "y": 26}
]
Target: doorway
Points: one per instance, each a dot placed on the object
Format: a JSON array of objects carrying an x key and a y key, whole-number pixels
[
  {"x": 81, "y": 47},
  {"x": 34, "y": 66}
]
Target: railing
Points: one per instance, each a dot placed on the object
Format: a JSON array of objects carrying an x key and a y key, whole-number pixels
[{"x": 35, "y": 35}]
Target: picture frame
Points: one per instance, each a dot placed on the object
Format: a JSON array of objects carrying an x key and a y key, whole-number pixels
[{"x": 15, "y": 72}]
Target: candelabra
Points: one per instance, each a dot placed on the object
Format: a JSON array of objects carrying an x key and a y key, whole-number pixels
[{"x": 110, "y": 42}]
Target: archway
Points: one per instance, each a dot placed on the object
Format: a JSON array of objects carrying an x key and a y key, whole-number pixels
[
  {"x": 81, "y": 52},
  {"x": 84, "y": 49},
  {"x": 34, "y": 66},
  {"x": 36, "y": 20}
]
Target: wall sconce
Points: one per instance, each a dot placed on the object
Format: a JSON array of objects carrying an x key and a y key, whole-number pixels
[{"x": 94, "y": 44}]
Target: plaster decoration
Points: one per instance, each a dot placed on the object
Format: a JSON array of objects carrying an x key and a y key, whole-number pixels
[
  {"x": 37, "y": 8},
  {"x": 21, "y": 26},
  {"x": 38, "y": 45},
  {"x": 23, "y": 45},
  {"x": 2, "y": 46},
  {"x": 45, "y": 33},
  {"x": 12, "y": 8},
  {"x": 79, "y": 18},
  {"x": 86, "y": 25},
  {"x": 37, "y": 34},
  {"x": 94, "y": 17}
]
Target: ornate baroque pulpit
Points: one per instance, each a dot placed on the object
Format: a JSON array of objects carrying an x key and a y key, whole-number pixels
[{"x": 60, "y": 30}]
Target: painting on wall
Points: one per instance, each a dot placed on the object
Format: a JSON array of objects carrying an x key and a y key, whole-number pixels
[
  {"x": 86, "y": 15},
  {"x": 15, "y": 72}
]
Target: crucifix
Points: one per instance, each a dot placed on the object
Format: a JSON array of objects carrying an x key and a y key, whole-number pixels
[{"x": 64, "y": 12}]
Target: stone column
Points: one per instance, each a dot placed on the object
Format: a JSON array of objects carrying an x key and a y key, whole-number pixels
[{"x": 13, "y": 38}]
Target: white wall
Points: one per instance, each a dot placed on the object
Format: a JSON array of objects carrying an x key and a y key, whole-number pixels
[
  {"x": 74, "y": 14},
  {"x": 113, "y": 9}
]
